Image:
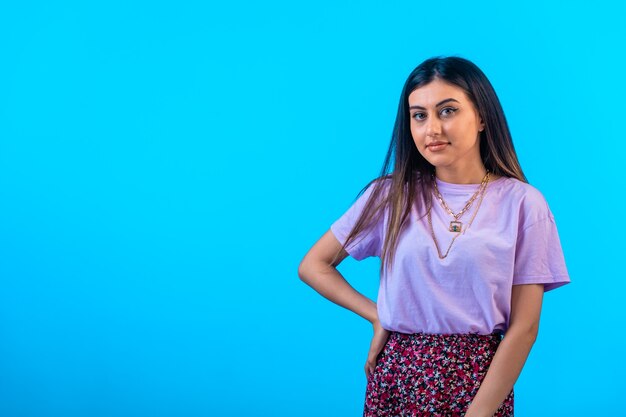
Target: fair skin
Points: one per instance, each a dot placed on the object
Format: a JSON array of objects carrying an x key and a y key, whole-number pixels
[{"x": 440, "y": 113}]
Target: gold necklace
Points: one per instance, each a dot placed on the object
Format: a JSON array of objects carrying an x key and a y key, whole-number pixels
[
  {"x": 456, "y": 225},
  {"x": 432, "y": 230}
]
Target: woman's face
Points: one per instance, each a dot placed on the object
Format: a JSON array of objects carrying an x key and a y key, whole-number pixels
[{"x": 445, "y": 126}]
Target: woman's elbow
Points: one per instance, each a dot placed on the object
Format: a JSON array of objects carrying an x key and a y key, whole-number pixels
[
  {"x": 303, "y": 270},
  {"x": 312, "y": 268},
  {"x": 307, "y": 268}
]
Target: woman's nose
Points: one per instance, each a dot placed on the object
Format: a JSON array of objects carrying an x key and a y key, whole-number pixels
[{"x": 433, "y": 126}]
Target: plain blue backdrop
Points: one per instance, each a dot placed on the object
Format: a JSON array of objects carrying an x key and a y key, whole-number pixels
[{"x": 164, "y": 167}]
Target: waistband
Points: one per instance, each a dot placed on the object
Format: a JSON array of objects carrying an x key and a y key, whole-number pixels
[{"x": 448, "y": 337}]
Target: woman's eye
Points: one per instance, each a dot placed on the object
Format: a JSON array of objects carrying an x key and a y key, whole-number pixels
[
  {"x": 448, "y": 111},
  {"x": 419, "y": 116}
]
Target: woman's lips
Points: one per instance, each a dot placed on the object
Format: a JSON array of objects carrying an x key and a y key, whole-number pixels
[{"x": 438, "y": 147}]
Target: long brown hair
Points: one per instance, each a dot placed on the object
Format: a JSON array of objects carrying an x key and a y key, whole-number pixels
[{"x": 411, "y": 181}]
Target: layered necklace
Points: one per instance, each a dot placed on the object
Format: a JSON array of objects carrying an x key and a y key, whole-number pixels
[{"x": 456, "y": 226}]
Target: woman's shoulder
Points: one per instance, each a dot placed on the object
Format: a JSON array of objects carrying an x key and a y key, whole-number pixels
[
  {"x": 381, "y": 183},
  {"x": 532, "y": 203},
  {"x": 384, "y": 182},
  {"x": 522, "y": 190}
]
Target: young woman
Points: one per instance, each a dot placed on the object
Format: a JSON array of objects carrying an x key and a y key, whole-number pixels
[{"x": 467, "y": 249}]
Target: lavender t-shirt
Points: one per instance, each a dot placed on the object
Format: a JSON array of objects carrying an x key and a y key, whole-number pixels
[{"x": 512, "y": 240}]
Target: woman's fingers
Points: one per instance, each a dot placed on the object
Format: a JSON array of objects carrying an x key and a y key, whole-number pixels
[
  {"x": 369, "y": 368},
  {"x": 376, "y": 346},
  {"x": 370, "y": 363}
]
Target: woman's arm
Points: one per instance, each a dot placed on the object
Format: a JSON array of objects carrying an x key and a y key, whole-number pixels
[
  {"x": 512, "y": 352},
  {"x": 316, "y": 269}
]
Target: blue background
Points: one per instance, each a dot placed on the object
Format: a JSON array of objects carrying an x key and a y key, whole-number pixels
[{"x": 164, "y": 167}]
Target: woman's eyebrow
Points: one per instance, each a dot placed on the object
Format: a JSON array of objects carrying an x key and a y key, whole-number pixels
[{"x": 437, "y": 105}]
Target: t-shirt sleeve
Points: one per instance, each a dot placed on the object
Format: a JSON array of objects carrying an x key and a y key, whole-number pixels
[
  {"x": 538, "y": 255},
  {"x": 369, "y": 241}
]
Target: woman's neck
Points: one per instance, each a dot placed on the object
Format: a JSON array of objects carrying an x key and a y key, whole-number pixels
[{"x": 458, "y": 177}]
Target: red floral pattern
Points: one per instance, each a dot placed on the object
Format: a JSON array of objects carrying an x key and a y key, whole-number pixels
[{"x": 431, "y": 375}]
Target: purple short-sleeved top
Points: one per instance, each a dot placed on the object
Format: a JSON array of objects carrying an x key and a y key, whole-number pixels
[{"x": 512, "y": 240}]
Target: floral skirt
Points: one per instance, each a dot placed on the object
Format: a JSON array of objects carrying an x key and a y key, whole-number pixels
[{"x": 431, "y": 375}]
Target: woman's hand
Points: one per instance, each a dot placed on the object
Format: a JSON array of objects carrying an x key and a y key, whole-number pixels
[{"x": 378, "y": 343}]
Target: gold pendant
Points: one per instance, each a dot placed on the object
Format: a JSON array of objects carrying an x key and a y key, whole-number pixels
[{"x": 455, "y": 226}]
